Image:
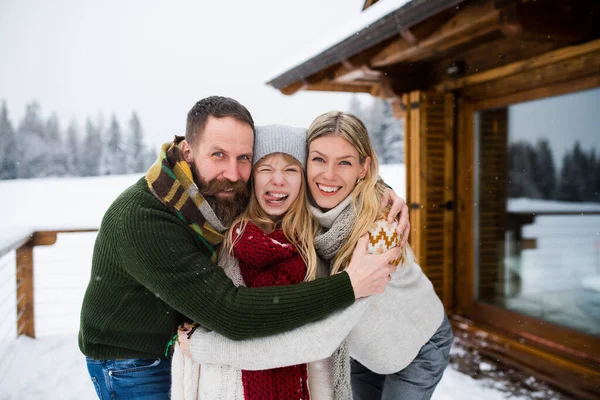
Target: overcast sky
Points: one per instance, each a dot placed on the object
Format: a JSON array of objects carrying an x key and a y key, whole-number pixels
[{"x": 82, "y": 57}]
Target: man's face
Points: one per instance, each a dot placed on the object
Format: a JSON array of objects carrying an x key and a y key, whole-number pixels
[{"x": 221, "y": 160}]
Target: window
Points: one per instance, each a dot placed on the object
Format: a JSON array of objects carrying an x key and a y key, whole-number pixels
[{"x": 537, "y": 211}]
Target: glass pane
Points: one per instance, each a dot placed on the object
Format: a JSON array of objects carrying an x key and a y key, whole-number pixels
[{"x": 538, "y": 209}]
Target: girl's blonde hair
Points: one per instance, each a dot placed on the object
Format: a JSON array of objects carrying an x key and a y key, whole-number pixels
[
  {"x": 368, "y": 192},
  {"x": 298, "y": 224}
]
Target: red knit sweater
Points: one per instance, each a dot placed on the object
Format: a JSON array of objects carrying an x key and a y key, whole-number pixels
[{"x": 271, "y": 260}]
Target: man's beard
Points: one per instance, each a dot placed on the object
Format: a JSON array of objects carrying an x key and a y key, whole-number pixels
[{"x": 226, "y": 208}]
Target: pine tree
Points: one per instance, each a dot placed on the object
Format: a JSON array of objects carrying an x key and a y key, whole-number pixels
[
  {"x": 521, "y": 171},
  {"x": 32, "y": 143},
  {"x": 115, "y": 155},
  {"x": 544, "y": 174},
  {"x": 92, "y": 150},
  {"x": 572, "y": 183},
  {"x": 8, "y": 143},
  {"x": 374, "y": 117},
  {"x": 73, "y": 150},
  {"x": 391, "y": 137},
  {"x": 590, "y": 176},
  {"x": 56, "y": 159},
  {"x": 385, "y": 131},
  {"x": 355, "y": 107},
  {"x": 136, "y": 153}
]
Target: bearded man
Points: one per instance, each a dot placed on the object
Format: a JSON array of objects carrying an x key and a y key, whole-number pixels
[{"x": 154, "y": 262}]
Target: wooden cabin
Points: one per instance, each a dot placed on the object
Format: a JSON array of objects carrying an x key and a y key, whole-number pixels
[{"x": 484, "y": 88}]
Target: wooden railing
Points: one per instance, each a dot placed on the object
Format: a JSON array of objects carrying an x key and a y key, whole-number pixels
[{"x": 24, "y": 274}]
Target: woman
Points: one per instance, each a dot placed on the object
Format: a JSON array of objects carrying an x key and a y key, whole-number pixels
[
  {"x": 400, "y": 345},
  {"x": 270, "y": 244}
]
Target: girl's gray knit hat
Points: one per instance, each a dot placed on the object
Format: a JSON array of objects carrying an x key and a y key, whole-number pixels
[{"x": 271, "y": 139}]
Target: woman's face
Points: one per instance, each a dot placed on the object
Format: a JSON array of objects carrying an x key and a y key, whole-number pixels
[
  {"x": 333, "y": 168},
  {"x": 276, "y": 184}
]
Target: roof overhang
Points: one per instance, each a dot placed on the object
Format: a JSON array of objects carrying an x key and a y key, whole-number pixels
[
  {"x": 398, "y": 21},
  {"x": 397, "y": 46}
]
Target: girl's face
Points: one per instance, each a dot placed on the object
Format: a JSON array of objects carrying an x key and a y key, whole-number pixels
[
  {"x": 333, "y": 168},
  {"x": 277, "y": 183}
]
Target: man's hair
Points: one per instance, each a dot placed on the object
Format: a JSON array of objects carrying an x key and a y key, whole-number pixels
[{"x": 214, "y": 106}]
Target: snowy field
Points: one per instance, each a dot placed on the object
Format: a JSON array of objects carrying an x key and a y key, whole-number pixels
[{"x": 51, "y": 366}]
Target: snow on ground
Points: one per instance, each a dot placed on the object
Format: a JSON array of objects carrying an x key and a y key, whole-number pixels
[
  {"x": 56, "y": 203},
  {"x": 55, "y": 369}
]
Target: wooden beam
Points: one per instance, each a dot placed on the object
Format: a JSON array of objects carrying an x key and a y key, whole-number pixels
[
  {"x": 25, "y": 314},
  {"x": 46, "y": 238},
  {"x": 409, "y": 36},
  {"x": 564, "y": 71},
  {"x": 514, "y": 352},
  {"x": 473, "y": 22},
  {"x": 339, "y": 87},
  {"x": 358, "y": 73},
  {"x": 293, "y": 88},
  {"x": 521, "y": 66}
]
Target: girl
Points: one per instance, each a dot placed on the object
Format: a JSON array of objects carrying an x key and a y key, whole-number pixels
[
  {"x": 271, "y": 243},
  {"x": 400, "y": 345}
]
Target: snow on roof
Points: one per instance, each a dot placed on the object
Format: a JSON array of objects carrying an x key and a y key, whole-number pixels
[{"x": 335, "y": 33}]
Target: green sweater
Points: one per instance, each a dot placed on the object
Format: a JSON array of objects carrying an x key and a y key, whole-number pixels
[{"x": 149, "y": 268}]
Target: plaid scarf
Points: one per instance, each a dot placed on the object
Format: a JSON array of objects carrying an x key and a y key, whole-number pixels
[{"x": 170, "y": 179}]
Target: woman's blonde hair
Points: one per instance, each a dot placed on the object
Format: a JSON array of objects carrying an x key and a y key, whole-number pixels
[
  {"x": 298, "y": 224},
  {"x": 367, "y": 194}
]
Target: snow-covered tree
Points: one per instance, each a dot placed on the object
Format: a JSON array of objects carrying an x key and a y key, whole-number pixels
[
  {"x": 8, "y": 144},
  {"x": 32, "y": 144},
  {"x": 596, "y": 196},
  {"x": 114, "y": 150},
  {"x": 73, "y": 150},
  {"x": 544, "y": 173},
  {"x": 56, "y": 164},
  {"x": 385, "y": 131},
  {"x": 391, "y": 137},
  {"x": 91, "y": 151},
  {"x": 571, "y": 185},
  {"x": 137, "y": 158},
  {"x": 521, "y": 171}
]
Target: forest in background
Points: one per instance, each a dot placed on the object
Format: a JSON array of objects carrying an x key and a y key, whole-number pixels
[{"x": 38, "y": 147}]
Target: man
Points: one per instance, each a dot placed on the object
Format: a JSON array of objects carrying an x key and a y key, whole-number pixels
[{"x": 154, "y": 261}]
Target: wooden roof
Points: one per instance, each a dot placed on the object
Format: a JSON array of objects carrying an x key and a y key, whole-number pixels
[
  {"x": 427, "y": 43},
  {"x": 391, "y": 25}
]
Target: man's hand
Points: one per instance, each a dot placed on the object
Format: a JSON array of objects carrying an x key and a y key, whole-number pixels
[
  {"x": 370, "y": 273},
  {"x": 400, "y": 208},
  {"x": 184, "y": 341}
]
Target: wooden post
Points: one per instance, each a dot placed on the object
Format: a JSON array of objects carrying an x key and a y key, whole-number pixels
[{"x": 25, "y": 312}]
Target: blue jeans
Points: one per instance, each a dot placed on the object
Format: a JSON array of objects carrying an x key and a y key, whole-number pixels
[
  {"x": 131, "y": 378},
  {"x": 415, "y": 382}
]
